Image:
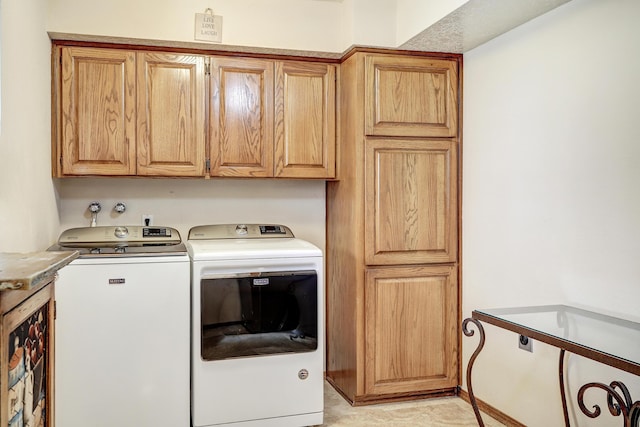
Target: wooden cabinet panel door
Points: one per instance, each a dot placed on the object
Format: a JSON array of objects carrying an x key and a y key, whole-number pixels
[
  {"x": 27, "y": 362},
  {"x": 171, "y": 114},
  {"x": 97, "y": 112},
  {"x": 411, "y": 96},
  {"x": 411, "y": 201},
  {"x": 411, "y": 320},
  {"x": 305, "y": 132},
  {"x": 241, "y": 117}
]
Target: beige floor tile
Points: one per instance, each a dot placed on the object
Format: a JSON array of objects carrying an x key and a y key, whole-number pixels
[{"x": 435, "y": 412}]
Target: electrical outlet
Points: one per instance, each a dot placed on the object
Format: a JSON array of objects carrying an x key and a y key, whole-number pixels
[
  {"x": 525, "y": 343},
  {"x": 147, "y": 219}
]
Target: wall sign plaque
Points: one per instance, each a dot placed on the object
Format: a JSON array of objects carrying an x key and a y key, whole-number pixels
[{"x": 208, "y": 27}]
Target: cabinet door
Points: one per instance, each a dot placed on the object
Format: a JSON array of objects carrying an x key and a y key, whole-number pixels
[
  {"x": 305, "y": 133},
  {"x": 241, "y": 120},
  {"x": 171, "y": 114},
  {"x": 97, "y": 112},
  {"x": 26, "y": 362},
  {"x": 411, "y": 96},
  {"x": 411, "y": 199},
  {"x": 411, "y": 321}
]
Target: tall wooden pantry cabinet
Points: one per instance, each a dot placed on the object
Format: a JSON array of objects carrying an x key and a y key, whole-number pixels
[{"x": 392, "y": 228}]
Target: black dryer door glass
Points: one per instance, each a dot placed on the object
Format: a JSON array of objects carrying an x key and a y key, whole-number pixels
[{"x": 259, "y": 314}]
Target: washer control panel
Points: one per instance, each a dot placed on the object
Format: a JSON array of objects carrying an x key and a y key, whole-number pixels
[{"x": 115, "y": 236}]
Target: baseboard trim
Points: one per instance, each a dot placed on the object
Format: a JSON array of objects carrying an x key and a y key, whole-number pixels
[
  {"x": 491, "y": 411},
  {"x": 391, "y": 398}
]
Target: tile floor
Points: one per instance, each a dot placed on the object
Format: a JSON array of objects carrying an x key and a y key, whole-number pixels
[{"x": 435, "y": 412}]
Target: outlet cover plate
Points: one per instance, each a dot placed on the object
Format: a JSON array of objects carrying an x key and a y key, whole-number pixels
[{"x": 525, "y": 343}]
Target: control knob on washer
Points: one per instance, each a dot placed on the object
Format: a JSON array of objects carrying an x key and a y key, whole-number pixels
[
  {"x": 121, "y": 232},
  {"x": 241, "y": 229}
]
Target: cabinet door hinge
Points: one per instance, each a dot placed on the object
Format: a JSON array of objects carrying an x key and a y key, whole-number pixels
[
  {"x": 55, "y": 309},
  {"x": 207, "y": 67},
  {"x": 207, "y": 165}
]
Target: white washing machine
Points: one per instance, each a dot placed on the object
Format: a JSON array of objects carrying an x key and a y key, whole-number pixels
[
  {"x": 257, "y": 327},
  {"x": 122, "y": 348}
]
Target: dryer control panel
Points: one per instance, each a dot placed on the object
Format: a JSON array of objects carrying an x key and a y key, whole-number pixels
[{"x": 239, "y": 231}]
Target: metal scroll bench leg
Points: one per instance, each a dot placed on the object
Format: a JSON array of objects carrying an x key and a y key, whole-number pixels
[
  {"x": 469, "y": 332},
  {"x": 619, "y": 401},
  {"x": 563, "y": 392}
]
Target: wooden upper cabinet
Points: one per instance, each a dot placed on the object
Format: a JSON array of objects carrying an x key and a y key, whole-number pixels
[
  {"x": 411, "y": 338},
  {"x": 241, "y": 117},
  {"x": 96, "y": 112},
  {"x": 171, "y": 114},
  {"x": 138, "y": 112},
  {"x": 411, "y": 201},
  {"x": 305, "y": 130},
  {"x": 411, "y": 96}
]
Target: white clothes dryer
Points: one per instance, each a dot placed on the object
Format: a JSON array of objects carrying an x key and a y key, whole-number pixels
[{"x": 257, "y": 327}]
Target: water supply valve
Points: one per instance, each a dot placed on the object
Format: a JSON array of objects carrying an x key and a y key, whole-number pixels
[
  {"x": 94, "y": 208},
  {"x": 120, "y": 207}
]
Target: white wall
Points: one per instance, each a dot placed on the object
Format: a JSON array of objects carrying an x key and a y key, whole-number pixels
[
  {"x": 414, "y": 16},
  {"x": 551, "y": 206},
  {"x": 316, "y": 25},
  {"x": 28, "y": 213},
  {"x": 184, "y": 203},
  {"x": 372, "y": 23},
  {"x": 274, "y": 23}
]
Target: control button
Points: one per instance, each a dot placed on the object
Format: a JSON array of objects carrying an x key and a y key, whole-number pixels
[
  {"x": 303, "y": 374},
  {"x": 242, "y": 229},
  {"x": 156, "y": 232},
  {"x": 271, "y": 229},
  {"x": 121, "y": 232}
]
